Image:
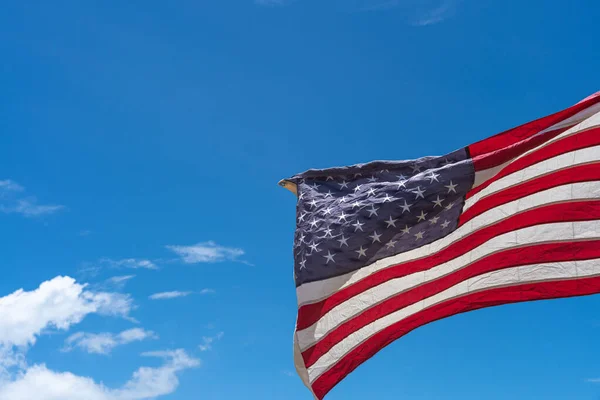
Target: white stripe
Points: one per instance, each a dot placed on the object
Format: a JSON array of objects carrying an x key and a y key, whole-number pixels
[
  {"x": 545, "y": 167},
  {"x": 509, "y": 276},
  {"x": 574, "y": 119},
  {"x": 315, "y": 291},
  {"x": 562, "y": 231},
  {"x": 589, "y": 118}
]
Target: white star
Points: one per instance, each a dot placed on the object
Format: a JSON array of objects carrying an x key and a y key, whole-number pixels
[
  {"x": 372, "y": 179},
  {"x": 357, "y": 188},
  {"x": 314, "y": 222},
  {"x": 303, "y": 264},
  {"x": 356, "y": 204},
  {"x": 301, "y": 195},
  {"x": 401, "y": 177},
  {"x": 361, "y": 252},
  {"x": 385, "y": 170},
  {"x": 329, "y": 178},
  {"x": 301, "y": 217},
  {"x": 387, "y": 198},
  {"x": 419, "y": 192},
  {"x": 329, "y": 257},
  {"x": 315, "y": 247},
  {"x": 422, "y": 216},
  {"x": 401, "y": 184},
  {"x": 327, "y": 232},
  {"x": 445, "y": 224},
  {"x": 343, "y": 241},
  {"x": 371, "y": 192},
  {"x": 301, "y": 238},
  {"x": 328, "y": 194},
  {"x": 449, "y": 206},
  {"x": 372, "y": 211},
  {"x": 416, "y": 168},
  {"x": 451, "y": 187},
  {"x": 313, "y": 203},
  {"x": 434, "y": 220},
  {"x": 419, "y": 235},
  {"x": 343, "y": 185},
  {"x": 342, "y": 217},
  {"x": 406, "y": 230},
  {"x": 405, "y": 207},
  {"x": 391, "y": 244},
  {"x": 375, "y": 236},
  {"x": 315, "y": 186},
  {"x": 433, "y": 177},
  {"x": 391, "y": 222},
  {"x": 343, "y": 199},
  {"x": 358, "y": 225},
  {"x": 327, "y": 211},
  {"x": 438, "y": 202}
]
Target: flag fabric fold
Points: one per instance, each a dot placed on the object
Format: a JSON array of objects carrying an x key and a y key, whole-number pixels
[{"x": 385, "y": 247}]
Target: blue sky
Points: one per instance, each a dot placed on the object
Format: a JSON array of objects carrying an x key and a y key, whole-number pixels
[{"x": 140, "y": 148}]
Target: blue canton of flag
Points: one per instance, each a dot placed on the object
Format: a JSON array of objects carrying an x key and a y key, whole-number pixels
[{"x": 352, "y": 216}]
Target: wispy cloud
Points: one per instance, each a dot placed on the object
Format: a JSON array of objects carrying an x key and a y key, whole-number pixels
[
  {"x": 375, "y": 5},
  {"x": 168, "y": 295},
  {"x": 11, "y": 202},
  {"x": 593, "y": 380},
  {"x": 273, "y": 3},
  {"x": 207, "y": 252},
  {"x": 117, "y": 282},
  {"x": 437, "y": 14},
  {"x": 120, "y": 279},
  {"x": 208, "y": 291},
  {"x": 207, "y": 341},
  {"x": 104, "y": 343},
  {"x": 133, "y": 263},
  {"x": 10, "y": 186}
]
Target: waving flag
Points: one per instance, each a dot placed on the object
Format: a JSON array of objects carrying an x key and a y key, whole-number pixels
[{"x": 385, "y": 247}]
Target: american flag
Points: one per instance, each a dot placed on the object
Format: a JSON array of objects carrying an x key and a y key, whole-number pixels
[{"x": 385, "y": 247}]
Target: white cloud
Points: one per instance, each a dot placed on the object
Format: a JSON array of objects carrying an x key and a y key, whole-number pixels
[
  {"x": 593, "y": 380},
  {"x": 273, "y": 2},
  {"x": 208, "y": 291},
  {"x": 121, "y": 279},
  {"x": 169, "y": 295},
  {"x": 40, "y": 383},
  {"x": 437, "y": 14},
  {"x": 104, "y": 343},
  {"x": 29, "y": 208},
  {"x": 207, "y": 341},
  {"x": 207, "y": 252},
  {"x": 12, "y": 203},
  {"x": 134, "y": 263},
  {"x": 56, "y": 304},
  {"x": 59, "y": 304},
  {"x": 11, "y": 186}
]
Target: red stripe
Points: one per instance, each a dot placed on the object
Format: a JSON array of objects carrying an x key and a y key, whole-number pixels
[
  {"x": 526, "y": 255},
  {"x": 568, "y": 211},
  {"x": 505, "y": 154},
  {"x": 572, "y": 142},
  {"x": 579, "y": 173},
  {"x": 522, "y": 132},
  {"x": 472, "y": 301}
]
